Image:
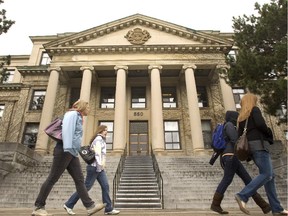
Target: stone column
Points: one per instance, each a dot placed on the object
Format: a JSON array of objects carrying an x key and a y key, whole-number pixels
[
  {"x": 157, "y": 129},
  {"x": 227, "y": 93},
  {"x": 119, "y": 142},
  {"x": 85, "y": 95},
  {"x": 194, "y": 112},
  {"x": 47, "y": 111}
]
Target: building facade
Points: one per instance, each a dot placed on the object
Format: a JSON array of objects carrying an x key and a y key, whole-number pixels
[{"x": 156, "y": 85}]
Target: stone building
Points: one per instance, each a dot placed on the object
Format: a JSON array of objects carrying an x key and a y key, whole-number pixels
[{"x": 155, "y": 84}]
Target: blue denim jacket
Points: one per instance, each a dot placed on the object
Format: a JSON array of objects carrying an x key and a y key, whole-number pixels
[{"x": 72, "y": 131}]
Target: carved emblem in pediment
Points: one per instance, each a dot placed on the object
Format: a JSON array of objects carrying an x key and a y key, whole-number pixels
[{"x": 137, "y": 36}]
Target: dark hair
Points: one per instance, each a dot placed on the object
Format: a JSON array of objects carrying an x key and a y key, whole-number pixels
[{"x": 99, "y": 130}]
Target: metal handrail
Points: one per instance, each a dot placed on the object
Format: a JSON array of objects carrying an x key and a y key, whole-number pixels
[
  {"x": 118, "y": 173},
  {"x": 159, "y": 178}
]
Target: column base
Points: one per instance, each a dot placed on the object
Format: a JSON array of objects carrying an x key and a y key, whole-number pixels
[
  {"x": 159, "y": 152},
  {"x": 42, "y": 152},
  {"x": 200, "y": 152},
  {"x": 117, "y": 152}
]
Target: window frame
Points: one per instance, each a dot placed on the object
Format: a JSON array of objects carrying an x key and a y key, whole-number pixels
[
  {"x": 111, "y": 105},
  {"x": 110, "y": 133},
  {"x": 174, "y": 143},
  {"x": 202, "y": 96},
  {"x": 26, "y": 133},
  {"x": 34, "y": 98},
  {"x": 138, "y": 103},
  {"x": 45, "y": 59},
  {"x": 169, "y": 90},
  {"x": 237, "y": 96}
]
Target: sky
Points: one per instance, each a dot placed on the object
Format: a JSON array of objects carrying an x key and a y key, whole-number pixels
[{"x": 51, "y": 17}]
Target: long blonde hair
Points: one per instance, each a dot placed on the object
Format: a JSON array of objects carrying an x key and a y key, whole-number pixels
[
  {"x": 80, "y": 105},
  {"x": 99, "y": 130},
  {"x": 247, "y": 103}
]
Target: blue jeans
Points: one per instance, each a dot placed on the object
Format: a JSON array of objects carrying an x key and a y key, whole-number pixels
[
  {"x": 91, "y": 176},
  {"x": 266, "y": 177},
  {"x": 232, "y": 166},
  {"x": 61, "y": 161}
]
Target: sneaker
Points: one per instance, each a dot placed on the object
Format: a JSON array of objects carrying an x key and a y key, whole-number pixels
[
  {"x": 284, "y": 212},
  {"x": 68, "y": 210},
  {"x": 242, "y": 205},
  {"x": 95, "y": 208},
  {"x": 39, "y": 212},
  {"x": 113, "y": 212}
]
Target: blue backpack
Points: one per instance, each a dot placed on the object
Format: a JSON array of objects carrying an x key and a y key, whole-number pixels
[{"x": 218, "y": 141}]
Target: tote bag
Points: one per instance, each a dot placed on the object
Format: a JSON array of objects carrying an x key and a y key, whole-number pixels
[
  {"x": 54, "y": 129},
  {"x": 241, "y": 147}
]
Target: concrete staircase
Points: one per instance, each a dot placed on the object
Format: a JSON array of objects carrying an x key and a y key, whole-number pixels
[{"x": 138, "y": 187}]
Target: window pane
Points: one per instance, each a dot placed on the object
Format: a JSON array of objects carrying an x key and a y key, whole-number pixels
[
  {"x": 74, "y": 95},
  {"x": 169, "y": 98},
  {"x": 9, "y": 76},
  {"x": 2, "y": 107},
  {"x": 30, "y": 134},
  {"x": 38, "y": 99},
  {"x": 207, "y": 133},
  {"x": 171, "y": 135},
  {"x": 107, "y": 99},
  {"x": 171, "y": 125},
  {"x": 138, "y": 97},
  {"x": 238, "y": 93},
  {"x": 202, "y": 96},
  {"x": 45, "y": 59}
]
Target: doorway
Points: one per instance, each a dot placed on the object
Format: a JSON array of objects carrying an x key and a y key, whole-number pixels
[{"x": 138, "y": 138}]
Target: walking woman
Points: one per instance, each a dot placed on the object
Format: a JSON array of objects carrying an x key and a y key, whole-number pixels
[
  {"x": 258, "y": 135},
  {"x": 96, "y": 171},
  {"x": 66, "y": 157},
  {"x": 232, "y": 166}
]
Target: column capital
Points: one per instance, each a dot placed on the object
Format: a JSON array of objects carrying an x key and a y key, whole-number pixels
[
  {"x": 151, "y": 67},
  {"x": 91, "y": 68},
  {"x": 58, "y": 69},
  {"x": 222, "y": 66},
  {"x": 118, "y": 67},
  {"x": 192, "y": 66}
]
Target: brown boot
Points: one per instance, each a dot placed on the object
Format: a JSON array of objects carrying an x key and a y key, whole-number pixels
[
  {"x": 215, "y": 206},
  {"x": 261, "y": 203}
]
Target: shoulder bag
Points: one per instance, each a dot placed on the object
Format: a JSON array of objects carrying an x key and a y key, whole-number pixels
[
  {"x": 54, "y": 129},
  {"x": 241, "y": 146},
  {"x": 87, "y": 154}
]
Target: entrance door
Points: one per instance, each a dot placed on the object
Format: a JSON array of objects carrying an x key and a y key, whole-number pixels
[{"x": 138, "y": 138}]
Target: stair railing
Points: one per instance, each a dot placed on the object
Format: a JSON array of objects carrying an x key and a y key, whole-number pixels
[
  {"x": 117, "y": 176},
  {"x": 158, "y": 177}
]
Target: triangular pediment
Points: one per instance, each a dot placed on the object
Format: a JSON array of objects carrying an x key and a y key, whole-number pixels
[{"x": 138, "y": 32}]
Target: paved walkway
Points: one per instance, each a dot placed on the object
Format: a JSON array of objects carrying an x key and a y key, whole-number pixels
[{"x": 125, "y": 212}]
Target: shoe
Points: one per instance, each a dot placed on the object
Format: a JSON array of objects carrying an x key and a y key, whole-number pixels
[
  {"x": 113, "y": 212},
  {"x": 242, "y": 205},
  {"x": 68, "y": 210},
  {"x": 284, "y": 212},
  {"x": 95, "y": 208},
  {"x": 39, "y": 212}
]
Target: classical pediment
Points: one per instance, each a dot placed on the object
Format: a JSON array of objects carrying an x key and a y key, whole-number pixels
[{"x": 138, "y": 33}]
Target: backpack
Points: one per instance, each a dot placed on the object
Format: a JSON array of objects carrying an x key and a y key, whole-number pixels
[{"x": 218, "y": 141}]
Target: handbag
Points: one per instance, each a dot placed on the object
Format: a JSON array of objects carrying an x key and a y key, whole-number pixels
[
  {"x": 241, "y": 146},
  {"x": 54, "y": 129},
  {"x": 87, "y": 154}
]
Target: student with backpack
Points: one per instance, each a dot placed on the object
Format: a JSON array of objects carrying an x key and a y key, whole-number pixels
[{"x": 232, "y": 166}]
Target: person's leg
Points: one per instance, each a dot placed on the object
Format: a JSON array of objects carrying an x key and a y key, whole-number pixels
[
  {"x": 60, "y": 161},
  {"x": 260, "y": 159},
  {"x": 89, "y": 182},
  {"x": 103, "y": 181},
  {"x": 270, "y": 188},
  {"x": 75, "y": 171}
]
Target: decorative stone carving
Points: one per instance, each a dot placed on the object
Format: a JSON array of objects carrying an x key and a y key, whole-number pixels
[{"x": 137, "y": 36}]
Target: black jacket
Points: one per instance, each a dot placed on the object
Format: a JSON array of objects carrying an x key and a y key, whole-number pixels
[
  {"x": 230, "y": 132},
  {"x": 257, "y": 128}
]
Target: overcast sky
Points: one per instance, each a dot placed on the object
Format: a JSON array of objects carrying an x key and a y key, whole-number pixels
[{"x": 50, "y": 17}]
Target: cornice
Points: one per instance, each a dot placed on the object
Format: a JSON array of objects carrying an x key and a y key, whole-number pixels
[
  {"x": 33, "y": 70},
  {"x": 139, "y": 49},
  {"x": 11, "y": 87}
]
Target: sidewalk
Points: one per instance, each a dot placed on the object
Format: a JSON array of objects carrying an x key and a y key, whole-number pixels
[{"x": 136, "y": 212}]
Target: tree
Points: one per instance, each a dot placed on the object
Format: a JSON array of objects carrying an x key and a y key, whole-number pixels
[
  {"x": 5, "y": 25},
  {"x": 260, "y": 63}
]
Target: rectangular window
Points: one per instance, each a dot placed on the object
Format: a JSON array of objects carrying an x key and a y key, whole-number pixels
[
  {"x": 37, "y": 101},
  {"x": 172, "y": 135},
  {"x": 109, "y": 137},
  {"x": 2, "y": 107},
  {"x": 30, "y": 135},
  {"x": 9, "y": 75},
  {"x": 202, "y": 96},
  {"x": 169, "y": 98},
  {"x": 107, "y": 99},
  {"x": 207, "y": 133},
  {"x": 45, "y": 59},
  {"x": 138, "y": 97},
  {"x": 238, "y": 93},
  {"x": 74, "y": 96}
]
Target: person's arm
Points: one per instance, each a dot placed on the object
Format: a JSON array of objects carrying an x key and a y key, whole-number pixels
[
  {"x": 68, "y": 130},
  {"x": 231, "y": 132},
  {"x": 259, "y": 121}
]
